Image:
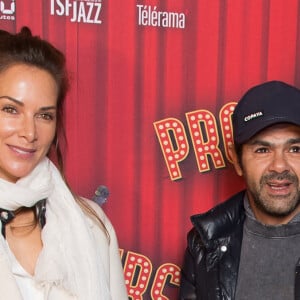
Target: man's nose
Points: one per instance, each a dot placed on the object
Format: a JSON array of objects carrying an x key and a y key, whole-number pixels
[{"x": 279, "y": 162}]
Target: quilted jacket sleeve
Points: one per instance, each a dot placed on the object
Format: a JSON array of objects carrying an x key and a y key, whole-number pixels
[{"x": 192, "y": 259}]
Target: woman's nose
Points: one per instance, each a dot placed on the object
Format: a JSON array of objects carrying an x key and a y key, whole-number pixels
[{"x": 28, "y": 130}]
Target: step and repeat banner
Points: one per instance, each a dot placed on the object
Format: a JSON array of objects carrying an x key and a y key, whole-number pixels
[{"x": 153, "y": 86}]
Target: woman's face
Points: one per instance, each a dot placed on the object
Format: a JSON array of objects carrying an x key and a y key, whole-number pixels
[{"x": 28, "y": 98}]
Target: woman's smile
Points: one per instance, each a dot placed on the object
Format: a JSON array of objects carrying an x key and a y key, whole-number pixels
[{"x": 28, "y": 99}]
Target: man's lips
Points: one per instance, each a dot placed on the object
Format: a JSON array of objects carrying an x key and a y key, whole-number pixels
[{"x": 279, "y": 186}]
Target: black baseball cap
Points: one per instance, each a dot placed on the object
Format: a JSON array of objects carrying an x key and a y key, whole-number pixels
[{"x": 264, "y": 105}]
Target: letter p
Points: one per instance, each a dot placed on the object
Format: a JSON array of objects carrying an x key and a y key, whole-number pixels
[{"x": 174, "y": 144}]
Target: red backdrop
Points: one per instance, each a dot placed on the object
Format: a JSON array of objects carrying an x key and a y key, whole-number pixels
[{"x": 153, "y": 86}]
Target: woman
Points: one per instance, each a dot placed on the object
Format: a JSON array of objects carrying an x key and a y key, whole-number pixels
[{"x": 53, "y": 245}]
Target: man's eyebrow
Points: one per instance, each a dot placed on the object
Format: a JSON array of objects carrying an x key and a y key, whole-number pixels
[
  {"x": 294, "y": 141},
  {"x": 258, "y": 142},
  {"x": 18, "y": 102},
  {"x": 264, "y": 143}
]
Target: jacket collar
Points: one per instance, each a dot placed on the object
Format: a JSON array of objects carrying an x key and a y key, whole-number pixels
[{"x": 219, "y": 222}]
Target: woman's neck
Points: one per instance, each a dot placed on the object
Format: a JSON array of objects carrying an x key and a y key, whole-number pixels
[
  {"x": 23, "y": 223},
  {"x": 23, "y": 235}
]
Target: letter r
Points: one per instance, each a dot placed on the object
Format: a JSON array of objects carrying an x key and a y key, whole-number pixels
[{"x": 205, "y": 138}]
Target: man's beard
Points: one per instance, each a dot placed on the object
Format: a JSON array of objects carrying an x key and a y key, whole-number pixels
[{"x": 268, "y": 203}]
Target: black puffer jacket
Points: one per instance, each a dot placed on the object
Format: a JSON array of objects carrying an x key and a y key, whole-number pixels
[{"x": 212, "y": 257}]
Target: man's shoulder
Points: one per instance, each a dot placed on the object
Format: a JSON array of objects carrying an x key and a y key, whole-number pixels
[
  {"x": 221, "y": 219},
  {"x": 232, "y": 205}
]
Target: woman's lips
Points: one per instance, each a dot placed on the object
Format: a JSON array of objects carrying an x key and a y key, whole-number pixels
[{"x": 22, "y": 150}]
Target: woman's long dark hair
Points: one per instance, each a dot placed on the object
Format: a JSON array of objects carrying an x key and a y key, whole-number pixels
[{"x": 24, "y": 48}]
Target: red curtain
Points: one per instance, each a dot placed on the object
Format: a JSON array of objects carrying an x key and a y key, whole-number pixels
[{"x": 126, "y": 77}]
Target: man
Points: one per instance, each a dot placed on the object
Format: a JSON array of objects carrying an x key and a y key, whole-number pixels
[{"x": 249, "y": 246}]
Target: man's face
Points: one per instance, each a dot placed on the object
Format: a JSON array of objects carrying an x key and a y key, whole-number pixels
[{"x": 270, "y": 165}]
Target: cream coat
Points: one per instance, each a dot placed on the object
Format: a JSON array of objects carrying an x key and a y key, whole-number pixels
[{"x": 108, "y": 252}]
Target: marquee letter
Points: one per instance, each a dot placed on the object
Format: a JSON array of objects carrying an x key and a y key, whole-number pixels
[
  {"x": 161, "y": 278},
  {"x": 205, "y": 138},
  {"x": 137, "y": 272},
  {"x": 226, "y": 125},
  {"x": 173, "y": 142}
]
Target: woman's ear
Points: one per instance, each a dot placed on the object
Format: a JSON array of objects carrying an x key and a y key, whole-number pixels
[{"x": 235, "y": 160}]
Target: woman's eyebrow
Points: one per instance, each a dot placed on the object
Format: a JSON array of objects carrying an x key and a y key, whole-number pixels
[
  {"x": 48, "y": 108},
  {"x": 18, "y": 102},
  {"x": 13, "y": 99}
]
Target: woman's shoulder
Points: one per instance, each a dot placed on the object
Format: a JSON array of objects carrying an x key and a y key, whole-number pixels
[
  {"x": 95, "y": 206},
  {"x": 100, "y": 213}
]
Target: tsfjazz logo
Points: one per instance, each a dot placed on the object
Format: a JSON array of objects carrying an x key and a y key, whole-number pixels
[
  {"x": 87, "y": 11},
  {"x": 7, "y": 10}
]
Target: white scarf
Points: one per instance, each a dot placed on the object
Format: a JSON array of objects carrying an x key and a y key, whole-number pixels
[{"x": 70, "y": 257}]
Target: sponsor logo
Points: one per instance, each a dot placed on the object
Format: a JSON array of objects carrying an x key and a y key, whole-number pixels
[
  {"x": 79, "y": 11},
  {"x": 253, "y": 116},
  {"x": 7, "y": 10},
  {"x": 150, "y": 16}
]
